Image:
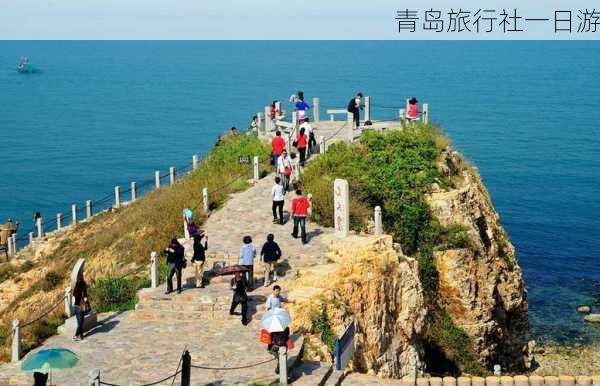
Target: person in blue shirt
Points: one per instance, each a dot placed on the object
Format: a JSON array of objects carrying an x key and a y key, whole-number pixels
[{"x": 247, "y": 255}]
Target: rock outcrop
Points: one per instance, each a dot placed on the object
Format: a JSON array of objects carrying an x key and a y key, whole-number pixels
[{"x": 481, "y": 286}]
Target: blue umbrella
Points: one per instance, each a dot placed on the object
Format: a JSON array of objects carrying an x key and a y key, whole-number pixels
[{"x": 51, "y": 359}]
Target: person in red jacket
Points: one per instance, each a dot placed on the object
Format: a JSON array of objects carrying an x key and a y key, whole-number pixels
[
  {"x": 277, "y": 146},
  {"x": 300, "y": 207},
  {"x": 301, "y": 143}
]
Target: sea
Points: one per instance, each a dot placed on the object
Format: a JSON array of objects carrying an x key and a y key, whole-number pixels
[{"x": 527, "y": 114}]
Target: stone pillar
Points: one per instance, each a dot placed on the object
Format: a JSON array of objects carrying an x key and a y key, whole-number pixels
[
  {"x": 186, "y": 233},
  {"x": 261, "y": 121},
  {"x": 341, "y": 198},
  {"x": 435, "y": 381},
  {"x": 68, "y": 302},
  {"x": 477, "y": 381},
  {"x": 14, "y": 243},
  {"x": 73, "y": 214},
  {"x": 425, "y": 112},
  {"x": 367, "y": 108},
  {"x": 40, "y": 227},
  {"x": 402, "y": 115},
  {"x": 536, "y": 380},
  {"x": 186, "y": 368},
  {"x": 88, "y": 209},
  {"x": 350, "y": 132},
  {"x": 449, "y": 381},
  {"x": 316, "y": 110},
  {"x": 506, "y": 381},
  {"x": 321, "y": 144},
  {"x": 521, "y": 380},
  {"x": 268, "y": 122},
  {"x": 256, "y": 171},
  {"x": 205, "y": 202},
  {"x": 492, "y": 381},
  {"x": 194, "y": 162},
  {"x": 30, "y": 237},
  {"x": 172, "y": 175},
  {"x": 423, "y": 381},
  {"x": 582, "y": 381},
  {"x": 133, "y": 191},
  {"x": 157, "y": 179},
  {"x": 350, "y": 118},
  {"x": 94, "y": 377},
  {"x": 59, "y": 221},
  {"x": 283, "y": 379},
  {"x": 117, "y": 196},
  {"x": 295, "y": 119},
  {"x": 16, "y": 341},
  {"x": 551, "y": 381},
  {"x": 464, "y": 381},
  {"x": 378, "y": 221},
  {"x": 154, "y": 270},
  {"x": 10, "y": 251}
]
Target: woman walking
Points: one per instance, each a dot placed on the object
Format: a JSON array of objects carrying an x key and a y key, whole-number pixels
[
  {"x": 199, "y": 258},
  {"x": 301, "y": 144},
  {"x": 239, "y": 286},
  {"x": 81, "y": 305},
  {"x": 284, "y": 168}
]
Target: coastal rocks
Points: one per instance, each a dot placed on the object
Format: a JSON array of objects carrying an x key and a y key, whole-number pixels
[
  {"x": 584, "y": 309},
  {"x": 370, "y": 283},
  {"x": 481, "y": 287},
  {"x": 592, "y": 318}
]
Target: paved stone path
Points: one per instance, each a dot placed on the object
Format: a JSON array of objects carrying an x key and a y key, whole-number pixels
[{"x": 129, "y": 351}]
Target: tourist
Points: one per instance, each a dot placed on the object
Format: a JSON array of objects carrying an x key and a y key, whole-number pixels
[
  {"x": 81, "y": 305},
  {"x": 301, "y": 143},
  {"x": 354, "y": 107},
  {"x": 36, "y": 215},
  {"x": 270, "y": 253},
  {"x": 239, "y": 285},
  {"x": 277, "y": 147},
  {"x": 192, "y": 229},
  {"x": 275, "y": 300},
  {"x": 301, "y": 108},
  {"x": 40, "y": 379},
  {"x": 254, "y": 125},
  {"x": 284, "y": 169},
  {"x": 247, "y": 255},
  {"x": 413, "y": 109},
  {"x": 199, "y": 258},
  {"x": 175, "y": 263},
  {"x": 274, "y": 113},
  {"x": 300, "y": 207},
  {"x": 312, "y": 142},
  {"x": 277, "y": 194}
]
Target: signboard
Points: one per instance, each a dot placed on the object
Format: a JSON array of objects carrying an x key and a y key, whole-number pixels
[
  {"x": 341, "y": 201},
  {"x": 344, "y": 347},
  {"x": 244, "y": 159}
]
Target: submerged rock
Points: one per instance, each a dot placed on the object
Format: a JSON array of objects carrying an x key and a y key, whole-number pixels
[
  {"x": 592, "y": 318},
  {"x": 584, "y": 309}
]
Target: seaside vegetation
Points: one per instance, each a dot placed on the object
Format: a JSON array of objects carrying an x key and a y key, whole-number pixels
[
  {"x": 120, "y": 241},
  {"x": 395, "y": 170}
]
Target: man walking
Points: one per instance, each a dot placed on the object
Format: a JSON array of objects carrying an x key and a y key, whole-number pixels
[
  {"x": 270, "y": 253},
  {"x": 247, "y": 255},
  {"x": 175, "y": 259},
  {"x": 277, "y": 194},
  {"x": 300, "y": 207},
  {"x": 354, "y": 108},
  {"x": 277, "y": 146}
]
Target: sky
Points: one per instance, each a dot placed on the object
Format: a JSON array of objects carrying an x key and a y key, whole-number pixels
[{"x": 267, "y": 19}]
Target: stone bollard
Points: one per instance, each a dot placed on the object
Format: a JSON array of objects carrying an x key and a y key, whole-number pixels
[
  {"x": 117, "y": 196},
  {"x": 268, "y": 121},
  {"x": 14, "y": 243},
  {"x": 435, "y": 381},
  {"x": 74, "y": 214},
  {"x": 584, "y": 381},
  {"x": 321, "y": 144},
  {"x": 256, "y": 171},
  {"x": 350, "y": 118},
  {"x": 59, "y": 221},
  {"x": 295, "y": 119},
  {"x": 422, "y": 381},
  {"x": 463, "y": 381},
  {"x": 88, "y": 209},
  {"x": 378, "y": 221},
  {"x": 261, "y": 121},
  {"x": 477, "y": 381},
  {"x": 367, "y": 108},
  {"x": 205, "y": 202},
  {"x": 283, "y": 379},
  {"x": 341, "y": 198},
  {"x": 402, "y": 115},
  {"x": 194, "y": 162},
  {"x": 551, "y": 380},
  {"x": 506, "y": 381},
  {"x": 94, "y": 377},
  {"x": 566, "y": 380},
  {"x": 492, "y": 381},
  {"x": 521, "y": 380},
  {"x": 133, "y": 191},
  {"x": 9, "y": 246},
  {"x": 40, "y": 227},
  {"x": 172, "y": 175},
  {"x": 16, "y": 341},
  {"x": 68, "y": 302},
  {"x": 30, "y": 237},
  {"x": 186, "y": 233},
  {"x": 316, "y": 110},
  {"x": 449, "y": 381},
  {"x": 425, "y": 112},
  {"x": 154, "y": 270},
  {"x": 157, "y": 179},
  {"x": 536, "y": 380}
]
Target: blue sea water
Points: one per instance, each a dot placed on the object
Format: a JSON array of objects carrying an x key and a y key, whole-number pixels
[{"x": 526, "y": 113}]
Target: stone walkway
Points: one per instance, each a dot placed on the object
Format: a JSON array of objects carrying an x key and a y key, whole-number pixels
[{"x": 130, "y": 351}]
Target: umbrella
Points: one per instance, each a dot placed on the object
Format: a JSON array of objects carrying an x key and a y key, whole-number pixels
[
  {"x": 276, "y": 320},
  {"x": 51, "y": 359},
  {"x": 232, "y": 269}
]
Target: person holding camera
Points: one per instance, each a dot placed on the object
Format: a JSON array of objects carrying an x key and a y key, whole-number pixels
[{"x": 175, "y": 263}]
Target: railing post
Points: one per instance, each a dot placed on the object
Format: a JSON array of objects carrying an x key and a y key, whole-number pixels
[
  {"x": 256, "y": 173},
  {"x": 40, "y": 227},
  {"x": 367, "y": 108},
  {"x": 30, "y": 237},
  {"x": 425, "y": 113},
  {"x": 14, "y": 242},
  {"x": 350, "y": 132},
  {"x": 261, "y": 122},
  {"x": 350, "y": 118},
  {"x": 59, "y": 221},
  {"x": 88, "y": 209},
  {"x": 172, "y": 175},
  {"x": 402, "y": 114},
  {"x": 194, "y": 162},
  {"x": 133, "y": 191},
  {"x": 154, "y": 269},
  {"x": 68, "y": 302},
  {"x": 316, "y": 110},
  {"x": 186, "y": 233},
  {"x": 321, "y": 144},
  {"x": 73, "y": 214},
  {"x": 16, "y": 341},
  {"x": 186, "y": 368},
  {"x": 10, "y": 251},
  {"x": 268, "y": 122},
  {"x": 94, "y": 377},
  {"x": 205, "y": 200},
  {"x": 378, "y": 221},
  {"x": 157, "y": 179},
  {"x": 283, "y": 379},
  {"x": 295, "y": 119},
  {"x": 117, "y": 196}
]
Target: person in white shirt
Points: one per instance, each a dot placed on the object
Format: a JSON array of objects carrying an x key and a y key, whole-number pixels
[
  {"x": 312, "y": 141},
  {"x": 275, "y": 300},
  {"x": 284, "y": 168},
  {"x": 277, "y": 194}
]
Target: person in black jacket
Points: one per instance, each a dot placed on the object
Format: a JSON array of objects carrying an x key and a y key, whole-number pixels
[
  {"x": 239, "y": 286},
  {"x": 199, "y": 257},
  {"x": 80, "y": 296},
  {"x": 269, "y": 254},
  {"x": 175, "y": 260},
  {"x": 354, "y": 108}
]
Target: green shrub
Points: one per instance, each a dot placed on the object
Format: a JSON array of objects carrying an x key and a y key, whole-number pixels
[
  {"x": 51, "y": 280},
  {"x": 322, "y": 327},
  {"x": 115, "y": 294}
]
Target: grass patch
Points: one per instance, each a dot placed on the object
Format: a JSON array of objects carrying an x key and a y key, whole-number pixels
[
  {"x": 322, "y": 327},
  {"x": 116, "y": 294}
]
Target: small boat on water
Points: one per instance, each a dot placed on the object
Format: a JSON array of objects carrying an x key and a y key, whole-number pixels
[{"x": 25, "y": 67}]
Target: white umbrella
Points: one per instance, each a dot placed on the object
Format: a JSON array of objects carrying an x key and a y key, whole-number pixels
[{"x": 276, "y": 320}]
